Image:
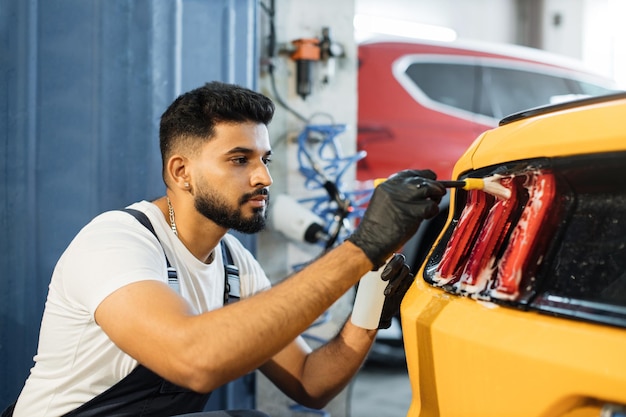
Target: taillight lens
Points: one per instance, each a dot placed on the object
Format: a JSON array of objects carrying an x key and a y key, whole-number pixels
[
  {"x": 525, "y": 238},
  {"x": 493, "y": 239},
  {"x": 459, "y": 247},
  {"x": 558, "y": 245}
]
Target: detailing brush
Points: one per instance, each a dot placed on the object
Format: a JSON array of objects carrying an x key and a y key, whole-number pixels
[{"x": 490, "y": 185}]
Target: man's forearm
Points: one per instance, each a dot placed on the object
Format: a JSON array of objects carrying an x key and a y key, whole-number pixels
[
  {"x": 218, "y": 343},
  {"x": 331, "y": 367}
]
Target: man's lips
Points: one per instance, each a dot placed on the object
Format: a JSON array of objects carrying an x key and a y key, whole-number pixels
[{"x": 258, "y": 201}]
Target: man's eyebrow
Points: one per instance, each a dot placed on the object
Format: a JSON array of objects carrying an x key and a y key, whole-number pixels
[{"x": 240, "y": 149}]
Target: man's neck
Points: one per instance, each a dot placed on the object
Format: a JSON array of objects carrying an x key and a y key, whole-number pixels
[{"x": 199, "y": 235}]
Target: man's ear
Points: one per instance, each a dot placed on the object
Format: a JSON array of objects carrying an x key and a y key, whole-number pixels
[{"x": 178, "y": 172}]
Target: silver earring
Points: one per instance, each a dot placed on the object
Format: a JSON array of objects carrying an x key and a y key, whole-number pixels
[{"x": 186, "y": 185}]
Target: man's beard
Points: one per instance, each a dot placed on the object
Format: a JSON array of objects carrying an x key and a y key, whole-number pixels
[{"x": 216, "y": 209}]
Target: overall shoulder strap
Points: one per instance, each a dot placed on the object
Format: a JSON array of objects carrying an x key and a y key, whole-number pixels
[
  {"x": 141, "y": 218},
  {"x": 172, "y": 275},
  {"x": 232, "y": 284}
]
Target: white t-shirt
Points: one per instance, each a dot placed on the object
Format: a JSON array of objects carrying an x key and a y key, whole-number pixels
[{"x": 76, "y": 360}]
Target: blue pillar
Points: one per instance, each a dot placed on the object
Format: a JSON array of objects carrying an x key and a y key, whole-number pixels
[{"x": 82, "y": 86}]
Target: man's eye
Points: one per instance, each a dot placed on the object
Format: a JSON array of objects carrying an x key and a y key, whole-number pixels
[
  {"x": 240, "y": 160},
  {"x": 267, "y": 161}
]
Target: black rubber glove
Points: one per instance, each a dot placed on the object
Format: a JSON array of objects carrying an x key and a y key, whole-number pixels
[
  {"x": 394, "y": 213},
  {"x": 400, "y": 278}
]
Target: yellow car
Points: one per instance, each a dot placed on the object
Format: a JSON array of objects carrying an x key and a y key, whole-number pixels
[{"x": 520, "y": 307}]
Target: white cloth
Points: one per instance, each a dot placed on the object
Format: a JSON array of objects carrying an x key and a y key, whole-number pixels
[{"x": 75, "y": 360}]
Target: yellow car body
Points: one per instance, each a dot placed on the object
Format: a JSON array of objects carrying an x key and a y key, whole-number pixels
[{"x": 471, "y": 356}]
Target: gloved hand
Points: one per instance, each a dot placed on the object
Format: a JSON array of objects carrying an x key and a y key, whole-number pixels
[
  {"x": 400, "y": 278},
  {"x": 395, "y": 211}
]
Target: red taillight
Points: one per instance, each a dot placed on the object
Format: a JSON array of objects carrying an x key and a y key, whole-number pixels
[
  {"x": 456, "y": 253},
  {"x": 494, "y": 239},
  {"x": 541, "y": 191},
  {"x": 480, "y": 266}
]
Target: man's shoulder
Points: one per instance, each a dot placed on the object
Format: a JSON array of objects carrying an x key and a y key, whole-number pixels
[{"x": 112, "y": 224}]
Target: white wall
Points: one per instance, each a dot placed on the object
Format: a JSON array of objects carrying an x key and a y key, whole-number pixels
[
  {"x": 472, "y": 19},
  {"x": 604, "y": 38},
  {"x": 562, "y": 27},
  {"x": 336, "y": 100},
  {"x": 592, "y": 31}
]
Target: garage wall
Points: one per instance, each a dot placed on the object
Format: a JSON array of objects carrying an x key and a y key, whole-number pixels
[
  {"x": 333, "y": 101},
  {"x": 330, "y": 102},
  {"x": 487, "y": 20},
  {"x": 604, "y": 40}
]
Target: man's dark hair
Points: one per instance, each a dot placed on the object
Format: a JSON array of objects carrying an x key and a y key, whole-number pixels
[{"x": 190, "y": 120}]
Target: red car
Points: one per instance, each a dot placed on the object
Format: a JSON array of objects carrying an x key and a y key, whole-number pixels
[{"x": 422, "y": 103}]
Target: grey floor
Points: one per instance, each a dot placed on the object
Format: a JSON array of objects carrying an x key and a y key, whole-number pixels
[{"x": 380, "y": 391}]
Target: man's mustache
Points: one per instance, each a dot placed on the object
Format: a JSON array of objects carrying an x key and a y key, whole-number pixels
[{"x": 260, "y": 191}]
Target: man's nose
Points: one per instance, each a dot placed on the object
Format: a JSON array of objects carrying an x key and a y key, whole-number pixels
[{"x": 262, "y": 176}]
